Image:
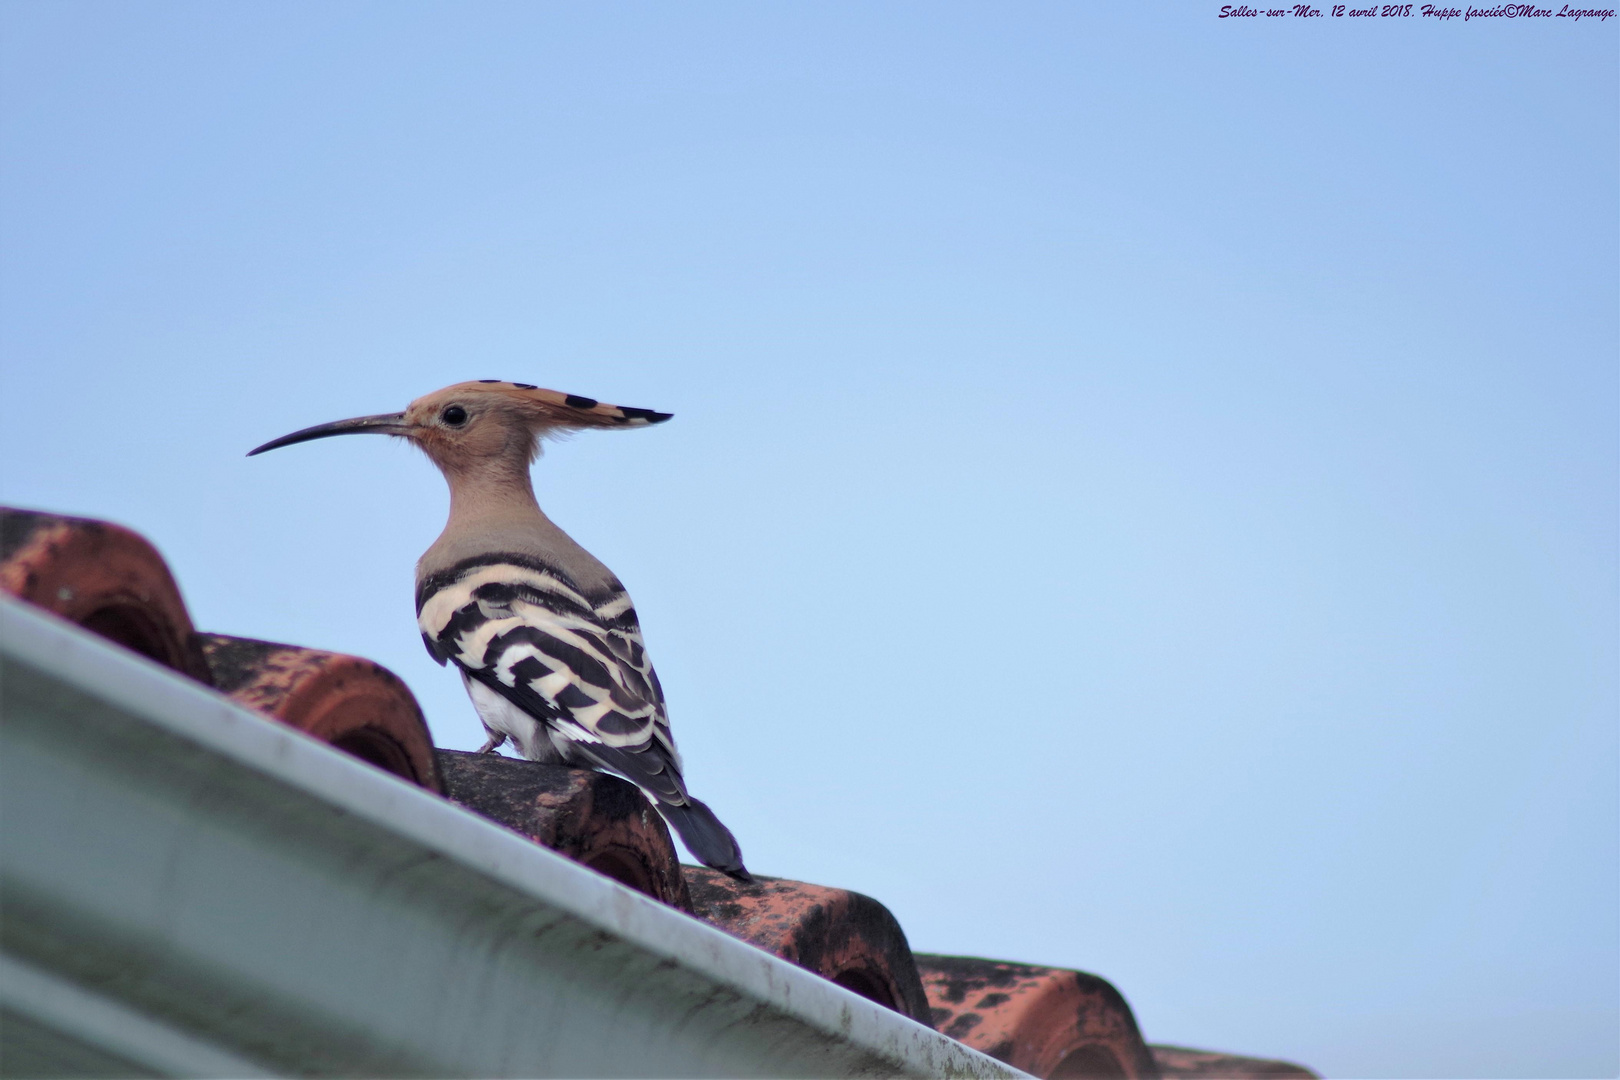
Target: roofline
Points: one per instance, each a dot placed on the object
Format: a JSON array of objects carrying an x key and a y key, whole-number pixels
[{"x": 200, "y": 876}]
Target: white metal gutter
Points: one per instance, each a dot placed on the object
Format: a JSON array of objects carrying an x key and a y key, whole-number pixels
[{"x": 190, "y": 889}]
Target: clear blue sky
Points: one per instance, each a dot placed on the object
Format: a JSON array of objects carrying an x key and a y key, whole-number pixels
[{"x": 1143, "y": 487}]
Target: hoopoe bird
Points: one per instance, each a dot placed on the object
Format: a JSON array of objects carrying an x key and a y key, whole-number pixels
[{"x": 544, "y": 636}]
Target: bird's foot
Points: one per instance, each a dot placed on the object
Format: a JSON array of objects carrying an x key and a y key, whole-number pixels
[{"x": 494, "y": 743}]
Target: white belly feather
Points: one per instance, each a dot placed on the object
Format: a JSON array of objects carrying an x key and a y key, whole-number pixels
[{"x": 502, "y": 717}]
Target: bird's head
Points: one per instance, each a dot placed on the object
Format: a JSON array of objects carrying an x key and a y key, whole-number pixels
[{"x": 482, "y": 424}]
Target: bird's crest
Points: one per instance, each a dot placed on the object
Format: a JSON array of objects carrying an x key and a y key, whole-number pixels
[{"x": 557, "y": 409}]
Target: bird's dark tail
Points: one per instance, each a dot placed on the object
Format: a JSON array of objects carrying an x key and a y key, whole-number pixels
[{"x": 705, "y": 837}]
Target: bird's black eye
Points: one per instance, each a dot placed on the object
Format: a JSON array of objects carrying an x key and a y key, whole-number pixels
[{"x": 454, "y": 415}]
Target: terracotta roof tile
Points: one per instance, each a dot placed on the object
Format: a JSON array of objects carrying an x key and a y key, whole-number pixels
[
  {"x": 841, "y": 935},
  {"x": 591, "y": 817}
]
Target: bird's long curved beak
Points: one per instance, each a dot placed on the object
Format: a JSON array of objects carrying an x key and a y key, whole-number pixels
[{"x": 385, "y": 424}]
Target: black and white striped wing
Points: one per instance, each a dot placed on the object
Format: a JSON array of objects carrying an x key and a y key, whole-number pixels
[{"x": 575, "y": 663}]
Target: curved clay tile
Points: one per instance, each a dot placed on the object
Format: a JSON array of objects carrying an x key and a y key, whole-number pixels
[
  {"x": 1049, "y": 1022},
  {"x": 352, "y": 704},
  {"x": 591, "y": 817},
  {"x": 840, "y": 935},
  {"x": 103, "y": 577}
]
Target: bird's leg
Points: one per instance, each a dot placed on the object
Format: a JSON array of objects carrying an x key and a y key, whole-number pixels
[{"x": 494, "y": 742}]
